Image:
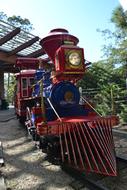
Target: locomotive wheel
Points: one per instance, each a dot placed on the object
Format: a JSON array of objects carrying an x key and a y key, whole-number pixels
[
  {"x": 43, "y": 144},
  {"x": 30, "y": 126},
  {"x": 22, "y": 119},
  {"x": 51, "y": 146}
]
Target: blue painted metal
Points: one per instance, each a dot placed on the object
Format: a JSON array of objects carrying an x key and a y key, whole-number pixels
[
  {"x": 39, "y": 74},
  {"x": 45, "y": 76},
  {"x": 58, "y": 92},
  {"x": 72, "y": 111}
]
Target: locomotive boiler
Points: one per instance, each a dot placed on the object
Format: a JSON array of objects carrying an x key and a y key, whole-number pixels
[{"x": 48, "y": 98}]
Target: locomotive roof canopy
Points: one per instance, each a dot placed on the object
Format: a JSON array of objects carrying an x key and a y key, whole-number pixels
[{"x": 14, "y": 43}]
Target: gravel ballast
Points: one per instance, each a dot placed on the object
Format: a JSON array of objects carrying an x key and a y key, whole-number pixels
[{"x": 26, "y": 167}]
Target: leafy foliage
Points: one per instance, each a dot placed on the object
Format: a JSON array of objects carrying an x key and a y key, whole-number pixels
[
  {"x": 107, "y": 78},
  {"x": 20, "y": 22},
  {"x": 105, "y": 87},
  {"x": 3, "y": 16},
  {"x": 119, "y": 18},
  {"x": 10, "y": 86},
  {"x": 17, "y": 21}
]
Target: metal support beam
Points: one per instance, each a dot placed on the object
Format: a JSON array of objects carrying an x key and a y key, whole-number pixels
[
  {"x": 14, "y": 43},
  {"x": 8, "y": 59},
  {"x": 9, "y": 36},
  {"x": 23, "y": 46},
  {"x": 8, "y": 68},
  {"x": 120, "y": 133},
  {"x": 1, "y": 84},
  {"x": 36, "y": 53}
]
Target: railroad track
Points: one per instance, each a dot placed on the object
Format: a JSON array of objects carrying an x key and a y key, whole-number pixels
[
  {"x": 120, "y": 133},
  {"x": 94, "y": 181}
]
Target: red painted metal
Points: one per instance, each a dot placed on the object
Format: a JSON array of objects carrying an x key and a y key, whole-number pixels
[
  {"x": 22, "y": 95},
  {"x": 86, "y": 145},
  {"x": 61, "y": 63},
  {"x": 31, "y": 63},
  {"x": 58, "y": 45},
  {"x": 55, "y": 39},
  {"x": 27, "y": 63}
]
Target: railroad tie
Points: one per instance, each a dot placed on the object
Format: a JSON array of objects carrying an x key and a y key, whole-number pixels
[{"x": 1, "y": 155}]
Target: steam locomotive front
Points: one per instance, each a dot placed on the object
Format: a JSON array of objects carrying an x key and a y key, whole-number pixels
[
  {"x": 84, "y": 140},
  {"x": 69, "y": 67}
]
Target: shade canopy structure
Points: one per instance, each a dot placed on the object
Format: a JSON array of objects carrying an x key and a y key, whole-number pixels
[{"x": 15, "y": 42}]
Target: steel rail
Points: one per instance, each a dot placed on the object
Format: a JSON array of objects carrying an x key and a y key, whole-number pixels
[
  {"x": 121, "y": 158},
  {"x": 119, "y": 133},
  {"x": 82, "y": 180},
  {"x": 1, "y": 155}
]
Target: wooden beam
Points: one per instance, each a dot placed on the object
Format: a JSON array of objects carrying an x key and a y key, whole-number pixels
[
  {"x": 9, "y": 36},
  {"x": 23, "y": 46},
  {"x": 4, "y": 58},
  {"x": 11, "y": 70},
  {"x": 5, "y": 65},
  {"x": 8, "y": 68},
  {"x": 37, "y": 53}
]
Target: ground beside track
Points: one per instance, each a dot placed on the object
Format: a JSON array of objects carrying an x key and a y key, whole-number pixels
[
  {"x": 26, "y": 167},
  {"x": 120, "y": 142},
  {"x": 120, "y": 139}
]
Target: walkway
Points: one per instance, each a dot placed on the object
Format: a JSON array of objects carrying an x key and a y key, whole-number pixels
[{"x": 6, "y": 115}]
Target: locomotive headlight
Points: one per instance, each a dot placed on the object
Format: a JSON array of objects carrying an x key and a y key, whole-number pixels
[{"x": 74, "y": 58}]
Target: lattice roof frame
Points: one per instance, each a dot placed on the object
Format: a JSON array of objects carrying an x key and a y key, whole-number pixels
[{"x": 14, "y": 43}]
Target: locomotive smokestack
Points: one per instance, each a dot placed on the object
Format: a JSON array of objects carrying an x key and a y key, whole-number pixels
[{"x": 55, "y": 39}]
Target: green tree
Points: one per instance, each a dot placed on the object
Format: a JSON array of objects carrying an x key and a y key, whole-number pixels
[
  {"x": 107, "y": 77},
  {"x": 20, "y": 22},
  {"x": 17, "y": 21},
  {"x": 115, "y": 51},
  {"x": 10, "y": 87},
  {"x": 3, "y": 16},
  {"x": 117, "y": 55}
]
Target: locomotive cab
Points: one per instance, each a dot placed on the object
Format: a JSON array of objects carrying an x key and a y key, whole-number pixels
[
  {"x": 24, "y": 84},
  {"x": 25, "y": 81}
]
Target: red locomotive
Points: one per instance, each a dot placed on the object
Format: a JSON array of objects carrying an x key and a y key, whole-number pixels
[{"x": 48, "y": 98}]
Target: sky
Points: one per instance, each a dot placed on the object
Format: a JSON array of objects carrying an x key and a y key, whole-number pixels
[{"x": 81, "y": 18}]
